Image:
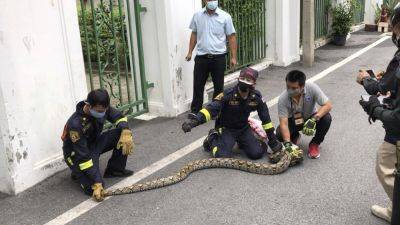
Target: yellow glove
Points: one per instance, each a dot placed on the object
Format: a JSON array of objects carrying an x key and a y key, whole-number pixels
[
  {"x": 98, "y": 192},
  {"x": 125, "y": 142}
]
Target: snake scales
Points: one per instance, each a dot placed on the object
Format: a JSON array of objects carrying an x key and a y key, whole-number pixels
[{"x": 287, "y": 159}]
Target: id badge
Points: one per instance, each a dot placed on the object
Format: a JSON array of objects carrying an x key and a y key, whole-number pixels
[{"x": 298, "y": 119}]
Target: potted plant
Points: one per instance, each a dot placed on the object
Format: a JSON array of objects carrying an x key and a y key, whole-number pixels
[{"x": 342, "y": 20}]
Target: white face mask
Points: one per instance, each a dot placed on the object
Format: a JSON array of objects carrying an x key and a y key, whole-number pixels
[{"x": 212, "y": 5}]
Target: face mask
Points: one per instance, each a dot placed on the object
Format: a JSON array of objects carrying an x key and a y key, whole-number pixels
[
  {"x": 212, "y": 5},
  {"x": 96, "y": 114},
  {"x": 293, "y": 92},
  {"x": 243, "y": 87}
]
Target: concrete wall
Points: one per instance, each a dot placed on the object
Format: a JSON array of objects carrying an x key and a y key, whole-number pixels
[
  {"x": 165, "y": 42},
  {"x": 41, "y": 80},
  {"x": 283, "y": 31}
]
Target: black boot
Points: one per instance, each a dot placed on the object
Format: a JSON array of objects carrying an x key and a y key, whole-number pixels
[
  {"x": 212, "y": 134},
  {"x": 117, "y": 173}
]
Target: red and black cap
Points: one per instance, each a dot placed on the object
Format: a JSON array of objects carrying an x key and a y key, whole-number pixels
[{"x": 249, "y": 73}]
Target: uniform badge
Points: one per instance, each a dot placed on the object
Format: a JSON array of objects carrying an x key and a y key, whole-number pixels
[
  {"x": 74, "y": 135},
  {"x": 233, "y": 102},
  {"x": 253, "y": 103},
  {"x": 219, "y": 97}
]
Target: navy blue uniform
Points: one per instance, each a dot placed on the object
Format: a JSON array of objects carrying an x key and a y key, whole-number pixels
[
  {"x": 387, "y": 83},
  {"x": 231, "y": 113},
  {"x": 84, "y": 142}
]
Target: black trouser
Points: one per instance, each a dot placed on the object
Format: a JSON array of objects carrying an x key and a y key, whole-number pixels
[
  {"x": 396, "y": 201},
  {"x": 107, "y": 141},
  {"x": 204, "y": 65},
  {"x": 323, "y": 126},
  {"x": 222, "y": 145}
]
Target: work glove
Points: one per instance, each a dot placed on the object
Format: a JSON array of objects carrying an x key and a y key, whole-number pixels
[
  {"x": 98, "y": 192},
  {"x": 189, "y": 124},
  {"x": 310, "y": 127},
  {"x": 295, "y": 152},
  {"x": 125, "y": 142},
  {"x": 370, "y": 105}
]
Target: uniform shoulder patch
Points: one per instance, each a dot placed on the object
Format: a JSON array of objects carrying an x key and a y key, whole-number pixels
[
  {"x": 219, "y": 97},
  {"x": 74, "y": 136}
]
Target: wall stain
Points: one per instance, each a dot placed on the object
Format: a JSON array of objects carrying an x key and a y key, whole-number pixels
[
  {"x": 25, "y": 154},
  {"x": 28, "y": 42},
  {"x": 19, "y": 157}
]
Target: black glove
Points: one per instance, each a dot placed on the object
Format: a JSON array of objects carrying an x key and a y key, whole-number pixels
[
  {"x": 189, "y": 124},
  {"x": 370, "y": 106}
]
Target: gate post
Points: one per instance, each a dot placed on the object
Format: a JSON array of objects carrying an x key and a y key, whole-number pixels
[{"x": 308, "y": 32}]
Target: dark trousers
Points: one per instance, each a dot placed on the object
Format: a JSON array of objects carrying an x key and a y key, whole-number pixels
[
  {"x": 202, "y": 68},
  {"x": 224, "y": 142},
  {"x": 107, "y": 141},
  {"x": 396, "y": 201},
  {"x": 323, "y": 126}
]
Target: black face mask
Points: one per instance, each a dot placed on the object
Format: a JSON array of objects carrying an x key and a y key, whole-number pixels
[{"x": 243, "y": 87}]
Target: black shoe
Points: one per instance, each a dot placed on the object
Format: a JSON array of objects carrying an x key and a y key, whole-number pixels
[
  {"x": 192, "y": 116},
  {"x": 74, "y": 177},
  {"x": 117, "y": 173},
  {"x": 212, "y": 134}
]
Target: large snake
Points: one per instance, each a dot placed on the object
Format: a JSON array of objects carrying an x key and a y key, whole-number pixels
[{"x": 287, "y": 159}]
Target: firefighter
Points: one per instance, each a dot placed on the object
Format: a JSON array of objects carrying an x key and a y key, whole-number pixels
[
  {"x": 231, "y": 109},
  {"x": 84, "y": 141}
]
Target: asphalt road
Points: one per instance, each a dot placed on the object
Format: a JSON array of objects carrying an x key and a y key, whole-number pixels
[{"x": 338, "y": 188}]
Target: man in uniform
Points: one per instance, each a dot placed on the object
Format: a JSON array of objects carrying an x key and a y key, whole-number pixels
[
  {"x": 297, "y": 108},
  {"x": 387, "y": 85},
  {"x": 232, "y": 109},
  {"x": 84, "y": 142},
  {"x": 211, "y": 28}
]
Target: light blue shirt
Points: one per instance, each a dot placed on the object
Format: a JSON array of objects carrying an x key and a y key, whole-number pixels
[{"x": 211, "y": 31}]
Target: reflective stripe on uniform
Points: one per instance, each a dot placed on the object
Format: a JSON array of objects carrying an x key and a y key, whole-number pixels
[
  {"x": 268, "y": 126},
  {"x": 86, "y": 165},
  {"x": 69, "y": 160},
  {"x": 207, "y": 114},
  {"x": 214, "y": 151},
  {"x": 123, "y": 119}
]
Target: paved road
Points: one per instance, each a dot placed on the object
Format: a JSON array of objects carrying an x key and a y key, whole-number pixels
[{"x": 338, "y": 188}]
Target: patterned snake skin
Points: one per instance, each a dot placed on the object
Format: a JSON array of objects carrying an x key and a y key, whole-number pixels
[{"x": 288, "y": 159}]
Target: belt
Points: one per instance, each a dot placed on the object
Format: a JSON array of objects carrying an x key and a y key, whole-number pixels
[{"x": 211, "y": 56}]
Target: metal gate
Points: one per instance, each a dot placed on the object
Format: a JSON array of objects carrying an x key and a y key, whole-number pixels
[
  {"x": 359, "y": 11},
  {"x": 113, "y": 53},
  {"x": 249, "y": 20},
  {"x": 321, "y": 19}
]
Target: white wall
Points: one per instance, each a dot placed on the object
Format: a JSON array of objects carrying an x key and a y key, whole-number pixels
[
  {"x": 165, "y": 42},
  {"x": 283, "y": 31},
  {"x": 369, "y": 17},
  {"x": 41, "y": 80}
]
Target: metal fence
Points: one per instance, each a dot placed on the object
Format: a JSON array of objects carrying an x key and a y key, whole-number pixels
[
  {"x": 249, "y": 18},
  {"x": 108, "y": 47},
  {"x": 359, "y": 12},
  {"x": 321, "y": 18}
]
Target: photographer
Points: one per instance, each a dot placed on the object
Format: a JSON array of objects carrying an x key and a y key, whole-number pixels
[{"x": 389, "y": 114}]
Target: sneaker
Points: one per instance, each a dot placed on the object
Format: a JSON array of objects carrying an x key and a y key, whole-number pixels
[
  {"x": 313, "y": 151},
  {"x": 210, "y": 137},
  {"x": 381, "y": 212},
  {"x": 117, "y": 173}
]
